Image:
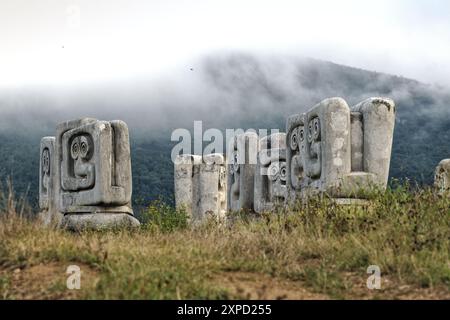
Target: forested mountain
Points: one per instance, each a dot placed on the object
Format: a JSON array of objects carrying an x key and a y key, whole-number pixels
[{"x": 225, "y": 91}]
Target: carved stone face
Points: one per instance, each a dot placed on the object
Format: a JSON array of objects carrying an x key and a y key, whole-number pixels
[
  {"x": 45, "y": 170},
  {"x": 314, "y": 160},
  {"x": 297, "y": 143},
  {"x": 46, "y": 161},
  {"x": 277, "y": 173},
  {"x": 94, "y": 165},
  {"x": 82, "y": 171}
]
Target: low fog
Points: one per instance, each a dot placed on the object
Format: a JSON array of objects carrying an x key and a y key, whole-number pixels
[{"x": 232, "y": 90}]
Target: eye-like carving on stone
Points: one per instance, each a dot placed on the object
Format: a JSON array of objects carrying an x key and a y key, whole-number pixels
[
  {"x": 283, "y": 172},
  {"x": 81, "y": 148},
  {"x": 314, "y": 161},
  {"x": 301, "y": 134},
  {"x": 316, "y": 129},
  {"x": 310, "y": 131},
  {"x": 277, "y": 172},
  {"x": 294, "y": 141}
]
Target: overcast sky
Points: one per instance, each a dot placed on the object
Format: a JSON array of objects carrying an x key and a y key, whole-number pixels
[{"x": 83, "y": 41}]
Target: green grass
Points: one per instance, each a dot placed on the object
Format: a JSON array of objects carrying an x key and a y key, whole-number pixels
[{"x": 324, "y": 247}]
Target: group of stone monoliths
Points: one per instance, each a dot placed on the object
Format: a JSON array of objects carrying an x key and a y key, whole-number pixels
[
  {"x": 85, "y": 178},
  {"x": 332, "y": 148}
]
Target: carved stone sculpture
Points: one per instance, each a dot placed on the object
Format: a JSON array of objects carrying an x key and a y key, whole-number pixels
[
  {"x": 242, "y": 155},
  {"x": 339, "y": 150},
  {"x": 442, "y": 176},
  {"x": 200, "y": 186},
  {"x": 93, "y": 174},
  {"x": 375, "y": 120},
  {"x": 271, "y": 173},
  {"x": 47, "y": 204}
]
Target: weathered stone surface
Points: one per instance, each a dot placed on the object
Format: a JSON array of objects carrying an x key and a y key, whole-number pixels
[
  {"x": 270, "y": 175},
  {"x": 242, "y": 155},
  {"x": 93, "y": 173},
  {"x": 99, "y": 221},
  {"x": 339, "y": 150},
  {"x": 442, "y": 176},
  {"x": 200, "y": 186},
  {"x": 185, "y": 165},
  {"x": 47, "y": 202},
  {"x": 378, "y": 121}
]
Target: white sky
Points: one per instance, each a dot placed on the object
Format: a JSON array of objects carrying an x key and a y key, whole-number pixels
[{"x": 80, "y": 41}]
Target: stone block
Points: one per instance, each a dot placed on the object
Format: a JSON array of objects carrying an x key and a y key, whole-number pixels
[
  {"x": 93, "y": 174},
  {"x": 201, "y": 186}
]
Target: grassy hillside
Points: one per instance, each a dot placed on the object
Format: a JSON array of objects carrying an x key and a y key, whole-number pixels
[{"x": 316, "y": 251}]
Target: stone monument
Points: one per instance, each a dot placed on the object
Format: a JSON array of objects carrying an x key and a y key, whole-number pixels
[
  {"x": 200, "y": 186},
  {"x": 91, "y": 175},
  {"x": 47, "y": 204},
  {"x": 338, "y": 150}
]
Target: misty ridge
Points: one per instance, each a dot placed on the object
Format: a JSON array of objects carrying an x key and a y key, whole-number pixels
[
  {"x": 222, "y": 90},
  {"x": 232, "y": 90}
]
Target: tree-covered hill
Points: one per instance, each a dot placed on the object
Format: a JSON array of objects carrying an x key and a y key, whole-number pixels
[{"x": 225, "y": 91}]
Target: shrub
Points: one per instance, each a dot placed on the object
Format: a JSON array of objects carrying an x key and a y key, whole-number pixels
[{"x": 163, "y": 217}]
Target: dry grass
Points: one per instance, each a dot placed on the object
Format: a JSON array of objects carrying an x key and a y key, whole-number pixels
[{"x": 316, "y": 251}]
